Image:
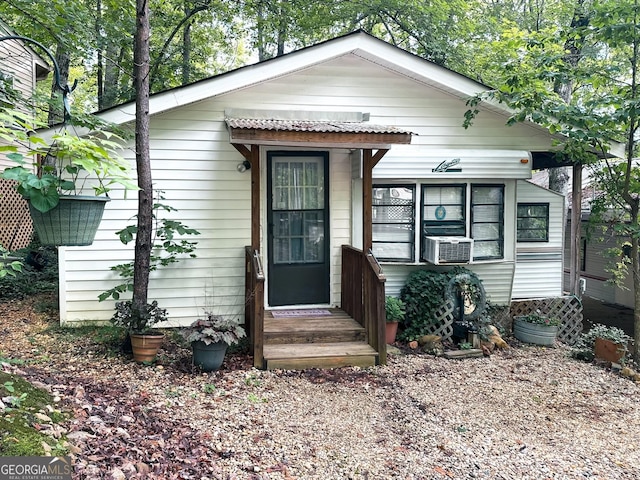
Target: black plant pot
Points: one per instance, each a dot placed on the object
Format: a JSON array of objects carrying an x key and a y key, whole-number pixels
[{"x": 208, "y": 357}]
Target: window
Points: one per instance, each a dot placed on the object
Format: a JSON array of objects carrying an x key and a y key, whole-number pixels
[
  {"x": 533, "y": 222},
  {"x": 443, "y": 210},
  {"x": 487, "y": 221},
  {"x": 393, "y": 222}
]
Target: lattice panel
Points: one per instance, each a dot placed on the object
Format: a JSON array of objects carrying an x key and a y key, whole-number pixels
[
  {"x": 444, "y": 325},
  {"x": 568, "y": 309},
  {"x": 500, "y": 317},
  {"x": 16, "y": 229}
]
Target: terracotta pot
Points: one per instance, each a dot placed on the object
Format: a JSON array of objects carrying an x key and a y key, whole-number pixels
[
  {"x": 391, "y": 331},
  {"x": 608, "y": 350},
  {"x": 145, "y": 347}
]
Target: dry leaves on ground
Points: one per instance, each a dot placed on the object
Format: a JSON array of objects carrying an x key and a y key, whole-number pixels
[{"x": 526, "y": 413}]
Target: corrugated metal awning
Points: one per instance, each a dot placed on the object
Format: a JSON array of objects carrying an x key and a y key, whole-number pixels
[
  {"x": 314, "y": 132},
  {"x": 310, "y": 126}
]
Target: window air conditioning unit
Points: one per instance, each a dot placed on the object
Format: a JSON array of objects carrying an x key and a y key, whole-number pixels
[{"x": 447, "y": 250}]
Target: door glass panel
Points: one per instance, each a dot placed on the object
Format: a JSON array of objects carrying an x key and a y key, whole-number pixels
[{"x": 298, "y": 210}]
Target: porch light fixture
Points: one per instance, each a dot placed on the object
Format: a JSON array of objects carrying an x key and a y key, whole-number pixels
[{"x": 244, "y": 166}]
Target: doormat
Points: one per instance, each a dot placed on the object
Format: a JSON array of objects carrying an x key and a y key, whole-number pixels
[{"x": 299, "y": 313}]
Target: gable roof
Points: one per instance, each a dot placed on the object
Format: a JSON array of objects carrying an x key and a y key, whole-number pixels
[{"x": 357, "y": 43}]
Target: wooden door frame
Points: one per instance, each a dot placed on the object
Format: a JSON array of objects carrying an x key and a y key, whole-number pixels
[
  {"x": 369, "y": 161},
  {"x": 325, "y": 156}
]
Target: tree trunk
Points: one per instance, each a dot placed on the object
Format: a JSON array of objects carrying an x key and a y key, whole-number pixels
[
  {"x": 559, "y": 180},
  {"x": 100, "y": 59},
  {"x": 143, "y": 161},
  {"x": 576, "y": 232},
  {"x": 635, "y": 268},
  {"x": 260, "y": 21},
  {"x": 112, "y": 58},
  {"x": 558, "y": 177},
  {"x": 186, "y": 49}
]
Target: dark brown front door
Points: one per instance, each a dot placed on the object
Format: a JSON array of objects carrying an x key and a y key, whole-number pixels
[{"x": 298, "y": 228}]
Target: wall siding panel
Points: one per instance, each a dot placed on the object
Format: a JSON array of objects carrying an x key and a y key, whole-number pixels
[
  {"x": 539, "y": 272},
  {"x": 195, "y": 166}
]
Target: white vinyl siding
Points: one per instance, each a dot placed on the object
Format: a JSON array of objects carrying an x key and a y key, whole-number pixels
[
  {"x": 496, "y": 278},
  {"x": 539, "y": 264},
  {"x": 16, "y": 65},
  {"x": 194, "y": 164}
]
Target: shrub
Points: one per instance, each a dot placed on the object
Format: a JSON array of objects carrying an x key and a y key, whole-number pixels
[
  {"x": 583, "y": 349},
  {"x": 39, "y": 274},
  {"x": 423, "y": 296},
  {"x": 394, "y": 309}
]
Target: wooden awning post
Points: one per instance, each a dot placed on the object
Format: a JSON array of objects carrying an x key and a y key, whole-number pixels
[
  {"x": 255, "y": 197},
  {"x": 253, "y": 157},
  {"x": 369, "y": 160}
]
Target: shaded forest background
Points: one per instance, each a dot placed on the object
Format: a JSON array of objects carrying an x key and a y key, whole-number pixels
[{"x": 194, "y": 39}]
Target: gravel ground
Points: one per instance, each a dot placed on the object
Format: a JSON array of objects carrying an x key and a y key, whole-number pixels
[{"x": 523, "y": 413}]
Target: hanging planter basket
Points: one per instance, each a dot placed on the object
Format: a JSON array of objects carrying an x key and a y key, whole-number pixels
[{"x": 73, "y": 222}]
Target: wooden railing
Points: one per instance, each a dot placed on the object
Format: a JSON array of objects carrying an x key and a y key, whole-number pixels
[
  {"x": 363, "y": 296},
  {"x": 254, "y": 305}
]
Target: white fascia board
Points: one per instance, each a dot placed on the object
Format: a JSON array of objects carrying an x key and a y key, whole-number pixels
[
  {"x": 424, "y": 71},
  {"x": 237, "y": 79}
]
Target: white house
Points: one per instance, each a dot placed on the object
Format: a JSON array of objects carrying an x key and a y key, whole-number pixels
[{"x": 349, "y": 142}]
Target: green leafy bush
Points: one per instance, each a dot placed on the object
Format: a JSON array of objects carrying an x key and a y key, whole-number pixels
[
  {"x": 394, "y": 309},
  {"x": 39, "y": 274},
  {"x": 423, "y": 296},
  {"x": 583, "y": 349}
]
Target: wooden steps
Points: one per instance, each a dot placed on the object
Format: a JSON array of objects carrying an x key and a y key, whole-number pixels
[{"x": 327, "y": 341}]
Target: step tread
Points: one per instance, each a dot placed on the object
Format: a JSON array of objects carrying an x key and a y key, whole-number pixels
[{"x": 317, "y": 350}]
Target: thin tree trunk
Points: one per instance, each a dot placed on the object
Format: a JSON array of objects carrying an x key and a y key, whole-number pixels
[
  {"x": 576, "y": 231},
  {"x": 143, "y": 160},
  {"x": 100, "y": 60},
  {"x": 186, "y": 49},
  {"x": 558, "y": 177},
  {"x": 260, "y": 9}
]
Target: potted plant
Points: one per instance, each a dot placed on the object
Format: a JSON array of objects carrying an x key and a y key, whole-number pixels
[
  {"x": 610, "y": 344},
  {"x": 536, "y": 328},
  {"x": 394, "y": 311},
  {"x": 210, "y": 337},
  {"x": 54, "y": 187},
  {"x": 144, "y": 340}
]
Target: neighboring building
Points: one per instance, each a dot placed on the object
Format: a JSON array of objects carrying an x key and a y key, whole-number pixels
[
  {"x": 312, "y": 125},
  {"x": 20, "y": 69},
  {"x": 595, "y": 260}
]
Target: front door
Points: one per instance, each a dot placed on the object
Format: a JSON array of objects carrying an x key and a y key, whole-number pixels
[{"x": 298, "y": 228}]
